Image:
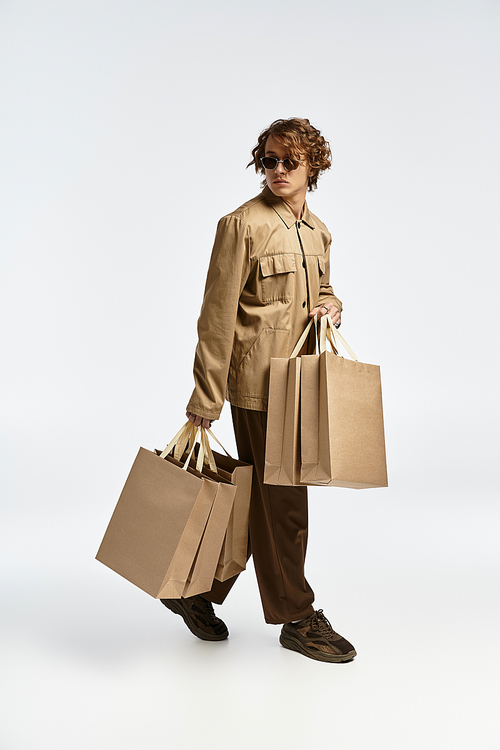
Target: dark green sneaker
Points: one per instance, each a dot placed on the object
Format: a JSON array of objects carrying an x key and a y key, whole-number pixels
[
  {"x": 199, "y": 616},
  {"x": 314, "y": 637}
]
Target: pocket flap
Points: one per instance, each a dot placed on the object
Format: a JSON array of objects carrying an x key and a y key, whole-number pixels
[{"x": 273, "y": 264}]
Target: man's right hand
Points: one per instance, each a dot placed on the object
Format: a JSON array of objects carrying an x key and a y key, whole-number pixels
[{"x": 197, "y": 420}]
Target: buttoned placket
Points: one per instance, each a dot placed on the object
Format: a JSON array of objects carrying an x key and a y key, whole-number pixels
[
  {"x": 297, "y": 224},
  {"x": 304, "y": 265}
]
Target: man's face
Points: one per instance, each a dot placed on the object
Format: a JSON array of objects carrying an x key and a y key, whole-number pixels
[{"x": 285, "y": 184}]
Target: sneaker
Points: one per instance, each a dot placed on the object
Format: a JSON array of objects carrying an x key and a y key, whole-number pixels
[
  {"x": 314, "y": 637},
  {"x": 199, "y": 616}
]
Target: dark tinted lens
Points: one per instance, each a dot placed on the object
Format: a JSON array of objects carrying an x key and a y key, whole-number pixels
[{"x": 269, "y": 162}]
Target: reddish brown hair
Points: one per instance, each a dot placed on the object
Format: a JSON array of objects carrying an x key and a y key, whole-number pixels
[{"x": 301, "y": 138}]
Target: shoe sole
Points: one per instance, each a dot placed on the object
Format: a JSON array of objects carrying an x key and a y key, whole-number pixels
[
  {"x": 294, "y": 645},
  {"x": 175, "y": 606}
]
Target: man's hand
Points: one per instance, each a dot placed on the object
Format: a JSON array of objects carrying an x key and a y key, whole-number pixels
[
  {"x": 324, "y": 309},
  {"x": 197, "y": 420}
]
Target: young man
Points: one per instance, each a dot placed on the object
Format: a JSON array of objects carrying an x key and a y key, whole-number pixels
[{"x": 268, "y": 273}]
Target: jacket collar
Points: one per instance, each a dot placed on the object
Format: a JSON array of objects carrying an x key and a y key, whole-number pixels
[{"x": 285, "y": 212}]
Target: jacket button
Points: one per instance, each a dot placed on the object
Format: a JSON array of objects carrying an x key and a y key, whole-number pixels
[
  {"x": 304, "y": 263},
  {"x": 303, "y": 304}
]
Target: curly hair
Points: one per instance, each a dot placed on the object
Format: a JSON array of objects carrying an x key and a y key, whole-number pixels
[{"x": 302, "y": 139}]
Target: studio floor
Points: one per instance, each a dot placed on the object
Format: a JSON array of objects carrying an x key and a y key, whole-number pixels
[{"x": 89, "y": 661}]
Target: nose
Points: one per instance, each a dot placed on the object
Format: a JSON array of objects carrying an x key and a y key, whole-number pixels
[{"x": 280, "y": 168}]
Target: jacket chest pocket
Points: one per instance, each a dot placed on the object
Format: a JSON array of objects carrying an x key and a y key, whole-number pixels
[{"x": 277, "y": 277}]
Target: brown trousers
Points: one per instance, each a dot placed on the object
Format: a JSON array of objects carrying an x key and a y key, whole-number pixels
[{"x": 277, "y": 531}]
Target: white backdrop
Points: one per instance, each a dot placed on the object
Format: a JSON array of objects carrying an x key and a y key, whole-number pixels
[{"x": 126, "y": 128}]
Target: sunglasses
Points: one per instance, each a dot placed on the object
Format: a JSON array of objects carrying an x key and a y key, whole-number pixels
[{"x": 271, "y": 162}]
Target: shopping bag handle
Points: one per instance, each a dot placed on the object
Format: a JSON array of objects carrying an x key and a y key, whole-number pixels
[
  {"x": 187, "y": 437},
  {"x": 183, "y": 436},
  {"x": 328, "y": 330},
  {"x": 205, "y": 454},
  {"x": 300, "y": 343},
  {"x": 319, "y": 345},
  {"x": 205, "y": 443},
  {"x": 325, "y": 334},
  {"x": 209, "y": 431},
  {"x": 185, "y": 441}
]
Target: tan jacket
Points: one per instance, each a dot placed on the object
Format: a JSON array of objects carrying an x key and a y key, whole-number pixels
[{"x": 267, "y": 271}]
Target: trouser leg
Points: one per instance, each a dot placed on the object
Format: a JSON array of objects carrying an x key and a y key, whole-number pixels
[{"x": 277, "y": 530}]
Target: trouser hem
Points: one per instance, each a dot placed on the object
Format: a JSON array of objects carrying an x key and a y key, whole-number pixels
[{"x": 299, "y": 616}]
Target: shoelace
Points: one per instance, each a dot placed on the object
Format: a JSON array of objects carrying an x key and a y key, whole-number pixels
[
  {"x": 208, "y": 607},
  {"x": 320, "y": 623}
]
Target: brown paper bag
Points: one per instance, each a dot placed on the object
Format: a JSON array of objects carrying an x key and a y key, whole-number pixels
[
  {"x": 309, "y": 401},
  {"x": 234, "y": 553},
  {"x": 278, "y": 377},
  {"x": 282, "y": 459},
  {"x": 342, "y": 428},
  {"x": 309, "y": 425},
  {"x": 202, "y": 573},
  {"x": 154, "y": 534},
  {"x": 155, "y": 530}
]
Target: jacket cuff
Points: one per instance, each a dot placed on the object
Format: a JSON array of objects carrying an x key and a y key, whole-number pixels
[{"x": 201, "y": 411}]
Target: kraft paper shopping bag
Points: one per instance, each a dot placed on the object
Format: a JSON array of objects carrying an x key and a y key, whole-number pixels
[
  {"x": 282, "y": 459},
  {"x": 342, "y": 427},
  {"x": 155, "y": 531}
]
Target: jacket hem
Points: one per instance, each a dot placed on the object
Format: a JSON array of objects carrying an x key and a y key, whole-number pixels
[{"x": 253, "y": 403}]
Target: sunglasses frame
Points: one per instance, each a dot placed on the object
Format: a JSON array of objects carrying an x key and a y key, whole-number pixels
[{"x": 281, "y": 161}]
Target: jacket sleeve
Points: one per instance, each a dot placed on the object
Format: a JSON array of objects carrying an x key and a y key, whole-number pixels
[
  {"x": 325, "y": 290},
  {"x": 226, "y": 278}
]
